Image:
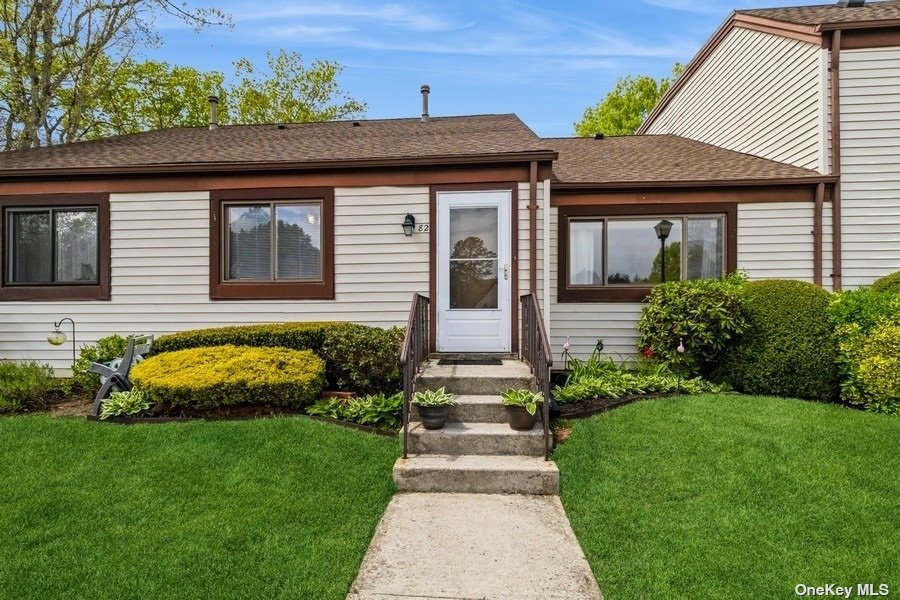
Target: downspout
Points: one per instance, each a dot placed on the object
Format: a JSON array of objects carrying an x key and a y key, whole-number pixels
[
  {"x": 837, "y": 271},
  {"x": 817, "y": 234},
  {"x": 532, "y": 228}
]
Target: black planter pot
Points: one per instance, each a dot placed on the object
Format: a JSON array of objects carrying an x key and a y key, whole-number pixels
[
  {"x": 433, "y": 417},
  {"x": 519, "y": 419}
]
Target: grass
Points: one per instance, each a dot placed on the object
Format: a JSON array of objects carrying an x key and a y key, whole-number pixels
[
  {"x": 722, "y": 496},
  {"x": 271, "y": 508}
]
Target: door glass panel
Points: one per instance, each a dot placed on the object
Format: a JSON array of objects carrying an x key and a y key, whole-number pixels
[
  {"x": 474, "y": 264},
  {"x": 635, "y": 253}
]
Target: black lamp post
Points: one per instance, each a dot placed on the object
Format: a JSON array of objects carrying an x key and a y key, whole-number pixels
[
  {"x": 409, "y": 222},
  {"x": 58, "y": 338},
  {"x": 663, "y": 228}
]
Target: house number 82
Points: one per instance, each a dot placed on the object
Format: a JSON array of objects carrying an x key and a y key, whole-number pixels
[{"x": 423, "y": 227}]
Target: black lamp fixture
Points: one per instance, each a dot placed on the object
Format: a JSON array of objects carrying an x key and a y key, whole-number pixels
[
  {"x": 409, "y": 223},
  {"x": 663, "y": 229},
  {"x": 58, "y": 338}
]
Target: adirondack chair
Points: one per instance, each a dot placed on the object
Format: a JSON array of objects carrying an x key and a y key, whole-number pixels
[{"x": 114, "y": 375}]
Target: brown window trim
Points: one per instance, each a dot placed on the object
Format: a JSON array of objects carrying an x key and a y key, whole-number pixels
[
  {"x": 68, "y": 291},
  {"x": 633, "y": 294},
  {"x": 276, "y": 290}
]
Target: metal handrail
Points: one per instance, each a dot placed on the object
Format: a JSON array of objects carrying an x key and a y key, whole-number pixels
[
  {"x": 536, "y": 352},
  {"x": 412, "y": 355}
]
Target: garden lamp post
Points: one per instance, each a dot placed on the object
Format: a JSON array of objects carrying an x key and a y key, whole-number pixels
[
  {"x": 663, "y": 228},
  {"x": 58, "y": 338}
]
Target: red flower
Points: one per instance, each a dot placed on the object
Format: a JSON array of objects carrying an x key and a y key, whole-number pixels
[{"x": 647, "y": 352}]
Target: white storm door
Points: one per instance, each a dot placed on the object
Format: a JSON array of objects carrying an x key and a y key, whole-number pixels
[{"x": 474, "y": 271}]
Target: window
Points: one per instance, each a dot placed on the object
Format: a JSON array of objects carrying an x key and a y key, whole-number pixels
[
  {"x": 612, "y": 254},
  {"x": 55, "y": 247},
  {"x": 275, "y": 244}
]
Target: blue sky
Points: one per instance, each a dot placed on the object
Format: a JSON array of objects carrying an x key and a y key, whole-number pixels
[{"x": 545, "y": 61}]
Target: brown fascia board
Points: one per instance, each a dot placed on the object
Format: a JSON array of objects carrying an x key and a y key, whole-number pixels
[
  {"x": 216, "y": 167},
  {"x": 806, "y": 33},
  {"x": 562, "y": 187}
]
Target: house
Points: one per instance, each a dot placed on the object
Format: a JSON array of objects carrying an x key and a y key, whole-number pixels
[{"x": 196, "y": 227}]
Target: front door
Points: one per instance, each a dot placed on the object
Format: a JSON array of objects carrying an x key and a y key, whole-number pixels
[{"x": 473, "y": 271}]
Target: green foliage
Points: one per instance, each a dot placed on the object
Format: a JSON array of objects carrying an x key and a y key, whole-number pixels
[
  {"x": 290, "y": 92},
  {"x": 434, "y": 398},
  {"x": 378, "y": 410},
  {"x": 364, "y": 359},
  {"x": 623, "y": 109},
  {"x": 787, "y": 348},
  {"x": 614, "y": 382},
  {"x": 888, "y": 283},
  {"x": 525, "y": 398},
  {"x": 215, "y": 376},
  {"x": 865, "y": 322},
  {"x": 23, "y": 384},
  {"x": 704, "y": 315},
  {"x": 357, "y": 357},
  {"x": 125, "y": 404},
  {"x": 105, "y": 350},
  {"x": 596, "y": 365}
]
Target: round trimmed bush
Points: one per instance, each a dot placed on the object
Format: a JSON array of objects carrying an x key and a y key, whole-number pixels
[
  {"x": 888, "y": 283},
  {"x": 879, "y": 369},
  {"x": 787, "y": 348},
  {"x": 228, "y": 375}
]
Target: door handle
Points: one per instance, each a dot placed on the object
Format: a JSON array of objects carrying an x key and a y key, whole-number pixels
[{"x": 505, "y": 272}]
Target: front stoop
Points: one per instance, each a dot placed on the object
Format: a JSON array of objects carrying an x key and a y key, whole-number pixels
[
  {"x": 476, "y": 451},
  {"x": 472, "y": 474}
]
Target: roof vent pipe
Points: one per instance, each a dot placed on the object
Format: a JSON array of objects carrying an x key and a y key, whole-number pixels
[
  {"x": 851, "y": 3},
  {"x": 425, "y": 90},
  {"x": 213, "y": 112}
]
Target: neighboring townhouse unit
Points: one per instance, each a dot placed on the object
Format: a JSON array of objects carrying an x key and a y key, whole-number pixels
[{"x": 771, "y": 82}]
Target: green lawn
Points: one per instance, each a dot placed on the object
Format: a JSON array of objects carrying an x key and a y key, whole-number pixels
[
  {"x": 271, "y": 508},
  {"x": 734, "y": 497}
]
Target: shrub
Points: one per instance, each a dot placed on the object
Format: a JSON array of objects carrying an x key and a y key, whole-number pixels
[
  {"x": 226, "y": 375},
  {"x": 378, "y": 410},
  {"x": 105, "y": 350},
  {"x": 357, "y": 357},
  {"x": 125, "y": 404},
  {"x": 857, "y": 316},
  {"x": 787, "y": 348},
  {"x": 888, "y": 283},
  {"x": 23, "y": 384},
  {"x": 704, "y": 315}
]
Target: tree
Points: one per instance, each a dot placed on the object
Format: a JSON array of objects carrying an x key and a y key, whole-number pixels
[
  {"x": 52, "y": 55},
  {"x": 623, "y": 109},
  {"x": 289, "y": 92}
]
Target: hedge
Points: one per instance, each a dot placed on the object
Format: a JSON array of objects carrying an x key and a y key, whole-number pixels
[
  {"x": 888, "y": 283},
  {"x": 225, "y": 375},
  {"x": 787, "y": 348},
  {"x": 357, "y": 357}
]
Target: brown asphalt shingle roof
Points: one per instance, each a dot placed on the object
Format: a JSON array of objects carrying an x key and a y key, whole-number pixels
[
  {"x": 659, "y": 158},
  {"x": 335, "y": 141},
  {"x": 829, "y": 13}
]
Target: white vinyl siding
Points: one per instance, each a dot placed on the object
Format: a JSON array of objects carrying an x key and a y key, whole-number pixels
[
  {"x": 756, "y": 93},
  {"x": 584, "y": 322},
  {"x": 775, "y": 241},
  {"x": 870, "y": 164},
  {"x": 160, "y": 273}
]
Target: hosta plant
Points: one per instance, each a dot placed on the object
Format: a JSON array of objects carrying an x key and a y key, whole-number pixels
[
  {"x": 434, "y": 398},
  {"x": 525, "y": 398},
  {"x": 125, "y": 404}
]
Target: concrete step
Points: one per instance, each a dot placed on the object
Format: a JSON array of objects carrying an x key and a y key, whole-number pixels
[
  {"x": 473, "y": 409},
  {"x": 475, "y": 379},
  {"x": 473, "y": 474},
  {"x": 476, "y": 438}
]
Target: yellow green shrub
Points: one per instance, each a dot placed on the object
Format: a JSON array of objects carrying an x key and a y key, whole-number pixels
[
  {"x": 227, "y": 375},
  {"x": 879, "y": 369}
]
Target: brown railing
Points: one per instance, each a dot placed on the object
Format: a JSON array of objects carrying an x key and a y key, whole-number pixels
[
  {"x": 413, "y": 354},
  {"x": 536, "y": 352}
]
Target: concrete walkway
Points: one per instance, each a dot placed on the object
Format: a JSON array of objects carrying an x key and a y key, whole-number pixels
[{"x": 474, "y": 546}]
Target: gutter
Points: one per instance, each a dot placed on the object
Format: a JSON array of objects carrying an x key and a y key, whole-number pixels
[
  {"x": 232, "y": 167},
  {"x": 532, "y": 228},
  {"x": 575, "y": 187},
  {"x": 835, "y": 82}
]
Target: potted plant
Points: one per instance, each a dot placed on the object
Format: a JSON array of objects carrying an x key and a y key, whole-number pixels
[
  {"x": 434, "y": 407},
  {"x": 521, "y": 408}
]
